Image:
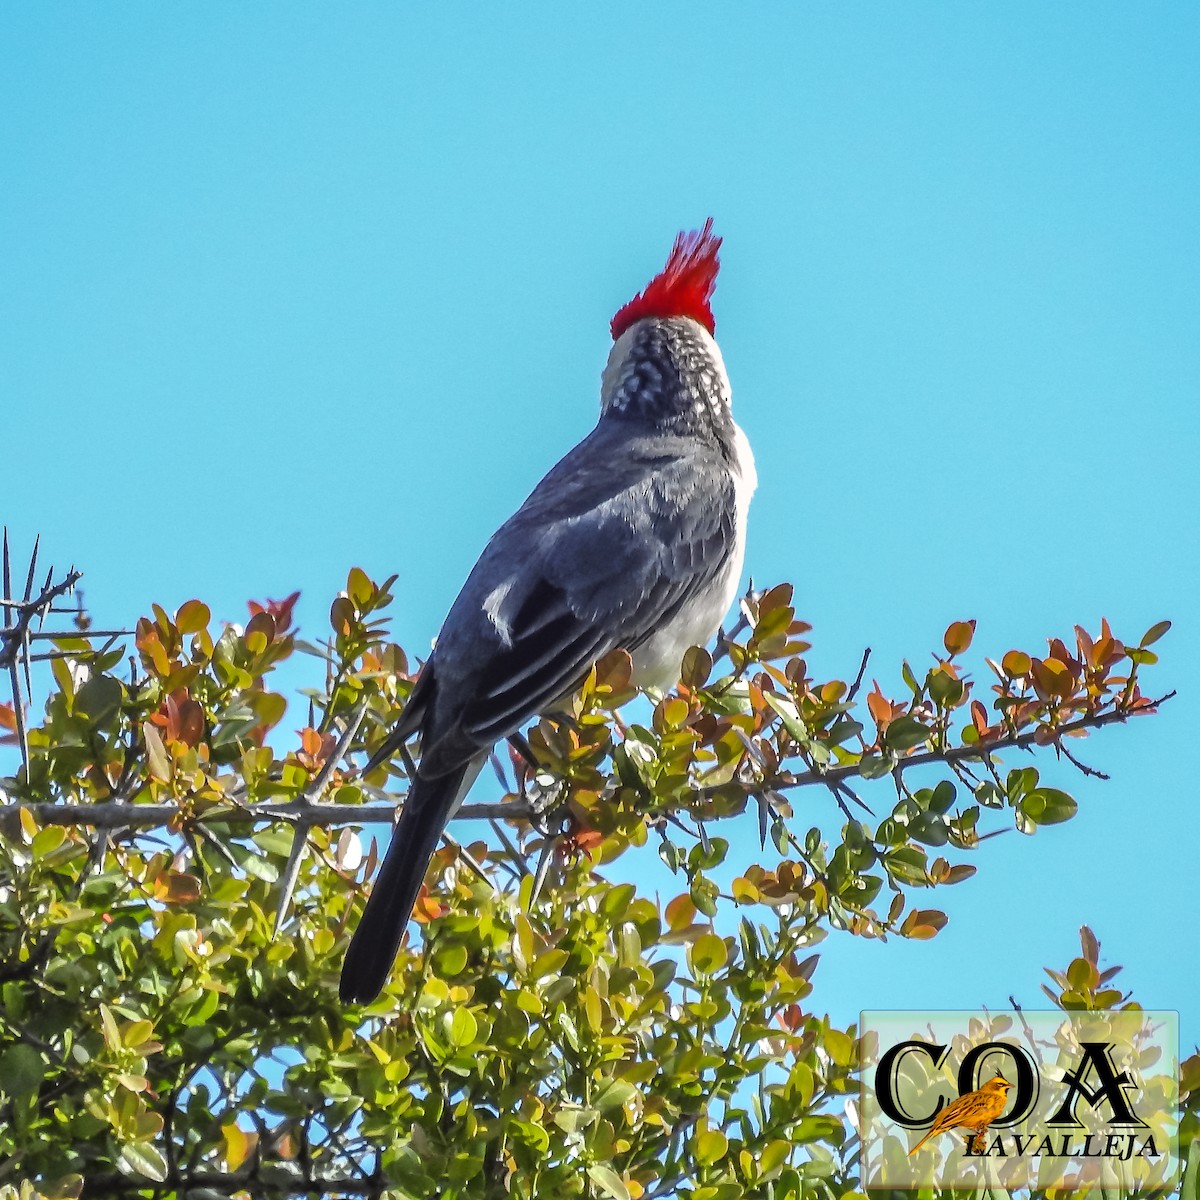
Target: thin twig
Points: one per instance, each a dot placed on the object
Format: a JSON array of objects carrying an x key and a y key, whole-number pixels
[
  {"x": 1092, "y": 772},
  {"x": 862, "y": 670},
  {"x": 90, "y": 633},
  {"x": 980, "y": 752}
]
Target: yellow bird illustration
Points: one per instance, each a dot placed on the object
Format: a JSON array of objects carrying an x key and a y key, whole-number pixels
[{"x": 973, "y": 1112}]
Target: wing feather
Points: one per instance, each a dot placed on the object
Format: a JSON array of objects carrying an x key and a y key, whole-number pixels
[{"x": 606, "y": 550}]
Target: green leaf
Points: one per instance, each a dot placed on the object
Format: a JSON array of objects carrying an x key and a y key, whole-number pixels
[
  {"x": 608, "y": 1181},
  {"x": 707, "y": 954},
  {"x": 989, "y": 795},
  {"x": 22, "y": 1069},
  {"x": 533, "y": 1135},
  {"x": 705, "y": 859},
  {"x": 110, "y": 1028},
  {"x": 704, "y": 895},
  {"x": 774, "y": 1155},
  {"x": 790, "y": 717},
  {"x": 192, "y": 617},
  {"x": 360, "y": 587},
  {"x": 905, "y": 733},
  {"x": 450, "y": 960},
  {"x": 614, "y": 1094},
  {"x": 670, "y": 854},
  {"x": 907, "y": 864},
  {"x": 573, "y": 1118},
  {"x": 143, "y": 1158},
  {"x": 100, "y": 699},
  {"x": 1048, "y": 806},
  {"x": 942, "y": 800},
  {"x": 259, "y": 867},
  {"x": 1082, "y": 975},
  {"x": 1154, "y": 633},
  {"x": 462, "y": 1028},
  {"x": 874, "y": 766},
  {"x": 617, "y": 899},
  {"x": 47, "y": 840},
  {"x": 929, "y": 829},
  {"x": 710, "y": 1147}
]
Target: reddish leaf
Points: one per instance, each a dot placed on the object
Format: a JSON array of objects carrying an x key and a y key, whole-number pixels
[
  {"x": 791, "y": 1017},
  {"x": 614, "y": 671},
  {"x": 879, "y": 706},
  {"x": 1089, "y": 944},
  {"x": 779, "y": 596},
  {"x": 1051, "y": 678},
  {"x": 1058, "y": 651},
  {"x": 280, "y": 611},
  {"x": 958, "y": 636},
  {"x": 261, "y": 626},
  {"x": 1087, "y": 647},
  {"x": 427, "y": 908},
  {"x": 680, "y": 912}
]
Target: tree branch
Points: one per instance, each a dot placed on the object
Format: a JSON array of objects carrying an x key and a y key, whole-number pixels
[
  {"x": 980, "y": 752},
  {"x": 118, "y": 814},
  {"x": 112, "y": 814},
  {"x": 279, "y": 1181}
]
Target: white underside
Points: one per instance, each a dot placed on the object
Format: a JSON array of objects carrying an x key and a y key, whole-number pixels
[{"x": 657, "y": 661}]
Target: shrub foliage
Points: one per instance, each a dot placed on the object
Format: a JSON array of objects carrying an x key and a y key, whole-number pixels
[{"x": 179, "y": 871}]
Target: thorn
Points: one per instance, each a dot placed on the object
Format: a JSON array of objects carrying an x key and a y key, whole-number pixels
[
  {"x": 314, "y": 790},
  {"x": 45, "y": 588},
  {"x": 19, "y": 715},
  {"x": 32, "y": 568},
  {"x": 470, "y": 860},
  {"x": 543, "y": 867},
  {"x": 498, "y": 768},
  {"x": 25, "y": 664},
  {"x": 290, "y": 874},
  {"x": 7, "y": 571},
  {"x": 519, "y": 863}
]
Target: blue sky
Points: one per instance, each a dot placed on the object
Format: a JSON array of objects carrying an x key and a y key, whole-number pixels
[{"x": 289, "y": 288}]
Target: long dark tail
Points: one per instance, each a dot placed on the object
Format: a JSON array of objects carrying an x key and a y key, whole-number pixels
[{"x": 373, "y": 947}]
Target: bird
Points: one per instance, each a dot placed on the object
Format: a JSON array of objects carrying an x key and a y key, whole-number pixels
[
  {"x": 973, "y": 1112},
  {"x": 634, "y": 540}
]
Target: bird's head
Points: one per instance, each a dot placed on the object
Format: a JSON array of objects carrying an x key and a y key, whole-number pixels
[
  {"x": 683, "y": 288},
  {"x": 998, "y": 1084},
  {"x": 665, "y": 366}
]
